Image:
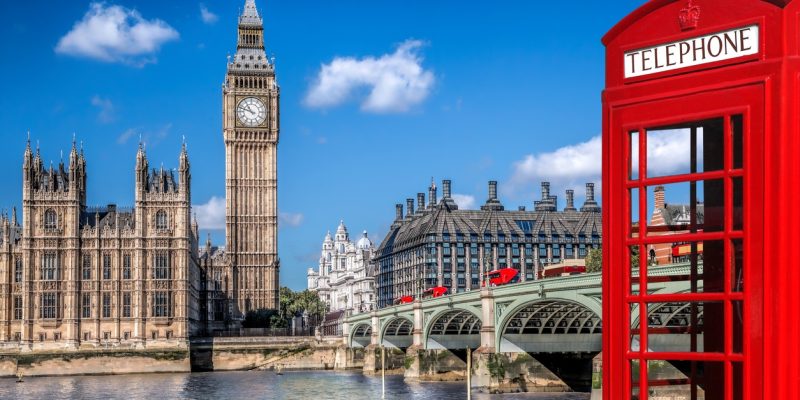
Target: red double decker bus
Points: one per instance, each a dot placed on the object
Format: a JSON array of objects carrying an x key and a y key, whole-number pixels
[
  {"x": 504, "y": 276},
  {"x": 561, "y": 270},
  {"x": 434, "y": 292},
  {"x": 404, "y": 300}
]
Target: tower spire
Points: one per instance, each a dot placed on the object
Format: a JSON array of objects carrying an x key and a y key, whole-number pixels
[{"x": 250, "y": 14}]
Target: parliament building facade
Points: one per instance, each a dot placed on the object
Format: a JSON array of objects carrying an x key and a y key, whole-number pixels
[{"x": 73, "y": 276}]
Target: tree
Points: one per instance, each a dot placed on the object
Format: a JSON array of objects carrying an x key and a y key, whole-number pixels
[
  {"x": 293, "y": 304},
  {"x": 594, "y": 260}
]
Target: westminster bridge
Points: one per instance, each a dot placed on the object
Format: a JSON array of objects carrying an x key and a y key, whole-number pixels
[{"x": 547, "y": 331}]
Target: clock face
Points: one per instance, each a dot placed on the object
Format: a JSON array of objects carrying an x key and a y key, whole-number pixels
[{"x": 251, "y": 111}]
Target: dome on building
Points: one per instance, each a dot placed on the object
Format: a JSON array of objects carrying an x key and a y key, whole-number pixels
[
  {"x": 328, "y": 237},
  {"x": 364, "y": 243}
]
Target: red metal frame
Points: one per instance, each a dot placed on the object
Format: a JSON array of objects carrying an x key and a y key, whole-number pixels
[{"x": 764, "y": 89}]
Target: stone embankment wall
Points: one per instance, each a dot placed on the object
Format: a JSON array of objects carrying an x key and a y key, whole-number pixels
[
  {"x": 291, "y": 353},
  {"x": 94, "y": 362},
  {"x": 205, "y": 354}
]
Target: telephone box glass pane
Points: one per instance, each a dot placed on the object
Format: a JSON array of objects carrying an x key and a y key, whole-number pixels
[
  {"x": 672, "y": 207},
  {"x": 634, "y": 151},
  {"x": 634, "y": 219},
  {"x": 680, "y": 327},
  {"x": 738, "y": 200},
  {"x": 695, "y": 266},
  {"x": 685, "y": 148},
  {"x": 695, "y": 380},
  {"x": 634, "y": 262},
  {"x": 634, "y": 324},
  {"x": 737, "y": 130},
  {"x": 737, "y": 265}
]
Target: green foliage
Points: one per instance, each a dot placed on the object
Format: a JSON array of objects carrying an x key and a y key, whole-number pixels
[
  {"x": 291, "y": 304},
  {"x": 496, "y": 368},
  {"x": 594, "y": 260}
]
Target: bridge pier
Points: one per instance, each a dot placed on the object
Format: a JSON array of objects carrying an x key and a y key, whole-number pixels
[
  {"x": 513, "y": 372},
  {"x": 435, "y": 364},
  {"x": 395, "y": 359}
]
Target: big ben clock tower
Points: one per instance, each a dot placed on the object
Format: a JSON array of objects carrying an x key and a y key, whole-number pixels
[{"x": 250, "y": 129}]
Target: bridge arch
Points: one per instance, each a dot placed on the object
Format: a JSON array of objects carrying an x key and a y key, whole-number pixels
[
  {"x": 453, "y": 328},
  {"x": 551, "y": 324},
  {"x": 671, "y": 325},
  {"x": 397, "y": 332},
  {"x": 361, "y": 335}
]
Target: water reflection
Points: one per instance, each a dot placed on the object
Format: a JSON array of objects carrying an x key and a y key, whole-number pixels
[{"x": 248, "y": 386}]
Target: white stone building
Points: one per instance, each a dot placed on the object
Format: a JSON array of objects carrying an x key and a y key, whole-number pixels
[{"x": 345, "y": 279}]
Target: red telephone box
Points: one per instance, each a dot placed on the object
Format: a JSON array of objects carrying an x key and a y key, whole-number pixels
[{"x": 701, "y": 153}]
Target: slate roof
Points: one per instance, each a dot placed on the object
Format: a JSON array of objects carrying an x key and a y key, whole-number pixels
[
  {"x": 443, "y": 219},
  {"x": 108, "y": 216}
]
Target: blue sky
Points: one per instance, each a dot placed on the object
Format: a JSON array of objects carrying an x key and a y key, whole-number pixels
[{"x": 508, "y": 91}]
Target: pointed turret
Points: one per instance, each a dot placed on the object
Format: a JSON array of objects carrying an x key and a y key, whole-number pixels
[
  {"x": 183, "y": 162},
  {"x": 27, "y": 158},
  {"x": 141, "y": 172},
  {"x": 27, "y": 162},
  {"x": 73, "y": 163},
  {"x": 14, "y": 217},
  {"x": 250, "y": 14},
  {"x": 184, "y": 177}
]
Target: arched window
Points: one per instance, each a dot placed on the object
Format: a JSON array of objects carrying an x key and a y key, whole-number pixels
[
  {"x": 161, "y": 219},
  {"x": 50, "y": 219}
]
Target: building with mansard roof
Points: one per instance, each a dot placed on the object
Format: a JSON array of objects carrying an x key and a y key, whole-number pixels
[
  {"x": 439, "y": 245},
  {"x": 345, "y": 278},
  {"x": 79, "y": 276}
]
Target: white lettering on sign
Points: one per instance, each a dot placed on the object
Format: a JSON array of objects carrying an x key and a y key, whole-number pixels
[{"x": 720, "y": 46}]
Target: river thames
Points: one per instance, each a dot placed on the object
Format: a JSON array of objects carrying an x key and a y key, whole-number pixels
[{"x": 248, "y": 386}]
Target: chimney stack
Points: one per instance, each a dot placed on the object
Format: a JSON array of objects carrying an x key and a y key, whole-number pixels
[
  {"x": 590, "y": 205},
  {"x": 420, "y": 201},
  {"x": 409, "y": 207},
  {"x": 658, "y": 193},
  {"x": 492, "y": 203},
  {"x": 570, "y": 201},
  {"x": 398, "y": 212},
  {"x": 447, "y": 199},
  {"x": 492, "y": 190},
  {"x": 548, "y": 202}
]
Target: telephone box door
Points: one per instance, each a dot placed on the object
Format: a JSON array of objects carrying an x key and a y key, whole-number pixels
[{"x": 684, "y": 245}]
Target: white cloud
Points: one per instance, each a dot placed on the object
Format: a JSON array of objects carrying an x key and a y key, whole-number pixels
[
  {"x": 148, "y": 136},
  {"x": 667, "y": 152},
  {"x": 291, "y": 219},
  {"x": 464, "y": 201},
  {"x": 112, "y": 33},
  {"x": 211, "y": 216},
  {"x": 125, "y": 136},
  {"x": 395, "y": 82},
  {"x": 106, "y": 107},
  {"x": 207, "y": 16},
  {"x": 568, "y": 167}
]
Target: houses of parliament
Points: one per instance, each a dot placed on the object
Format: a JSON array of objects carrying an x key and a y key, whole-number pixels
[{"x": 73, "y": 276}]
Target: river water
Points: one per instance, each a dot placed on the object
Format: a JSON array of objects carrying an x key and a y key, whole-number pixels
[{"x": 301, "y": 385}]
